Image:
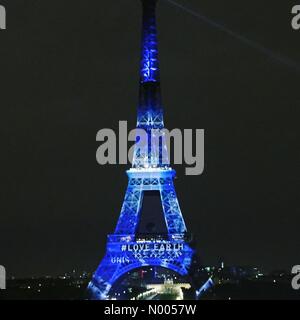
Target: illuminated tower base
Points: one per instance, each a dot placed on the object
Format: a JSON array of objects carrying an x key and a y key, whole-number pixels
[{"x": 126, "y": 251}]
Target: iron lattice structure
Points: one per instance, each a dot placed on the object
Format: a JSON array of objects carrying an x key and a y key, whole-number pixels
[{"x": 150, "y": 171}]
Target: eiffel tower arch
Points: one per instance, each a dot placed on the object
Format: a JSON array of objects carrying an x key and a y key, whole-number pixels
[{"x": 126, "y": 249}]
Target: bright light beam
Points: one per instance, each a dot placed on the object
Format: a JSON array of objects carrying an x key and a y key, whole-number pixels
[{"x": 273, "y": 55}]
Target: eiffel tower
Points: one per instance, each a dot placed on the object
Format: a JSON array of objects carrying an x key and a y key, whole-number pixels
[{"x": 126, "y": 248}]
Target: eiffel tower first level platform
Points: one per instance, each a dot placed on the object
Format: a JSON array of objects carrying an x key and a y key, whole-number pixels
[{"x": 126, "y": 248}]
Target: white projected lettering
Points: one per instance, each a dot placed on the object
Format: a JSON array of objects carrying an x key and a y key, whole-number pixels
[{"x": 152, "y": 247}]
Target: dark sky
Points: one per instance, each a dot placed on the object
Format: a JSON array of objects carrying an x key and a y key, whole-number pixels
[{"x": 70, "y": 68}]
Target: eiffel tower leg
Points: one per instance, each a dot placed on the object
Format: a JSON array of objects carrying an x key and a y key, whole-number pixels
[
  {"x": 129, "y": 213},
  {"x": 172, "y": 212},
  {"x": 102, "y": 280}
]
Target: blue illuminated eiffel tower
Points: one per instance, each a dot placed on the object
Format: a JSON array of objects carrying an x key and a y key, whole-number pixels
[{"x": 126, "y": 248}]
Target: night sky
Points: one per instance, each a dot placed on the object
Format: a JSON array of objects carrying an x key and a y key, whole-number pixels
[{"x": 70, "y": 68}]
